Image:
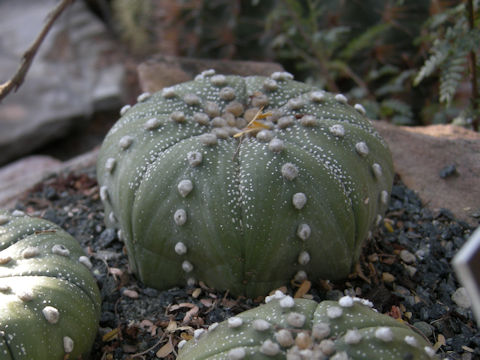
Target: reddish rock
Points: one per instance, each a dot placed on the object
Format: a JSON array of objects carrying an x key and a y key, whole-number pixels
[{"x": 421, "y": 153}]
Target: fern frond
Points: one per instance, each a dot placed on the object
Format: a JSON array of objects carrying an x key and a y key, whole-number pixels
[
  {"x": 364, "y": 40},
  {"x": 450, "y": 77},
  {"x": 431, "y": 64}
]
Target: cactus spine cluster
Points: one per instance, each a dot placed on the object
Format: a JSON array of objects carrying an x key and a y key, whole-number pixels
[
  {"x": 243, "y": 182},
  {"x": 49, "y": 301},
  {"x": 298, "y": 329}
]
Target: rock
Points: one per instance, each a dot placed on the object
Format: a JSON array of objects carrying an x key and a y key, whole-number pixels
[
  {"x": 20, "y": 175},
  {"x": 421, "y": 153},
  {"x": 461, "y": 298},
  {"x": 162, "y": 71},
  {"x": 71, "y": 75}
]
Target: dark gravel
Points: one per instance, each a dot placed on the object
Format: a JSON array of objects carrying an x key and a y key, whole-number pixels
[{"x": 404, "y": 270}]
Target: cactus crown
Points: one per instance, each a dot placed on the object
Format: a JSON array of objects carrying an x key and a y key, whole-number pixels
[
  {"x": 243, "y": 182},
  {"x": 287, "y": 328},
  {"x": 49, "y": 301}
]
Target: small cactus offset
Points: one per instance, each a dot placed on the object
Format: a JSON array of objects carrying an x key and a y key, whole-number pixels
[
  {"x": 300, "y": 329},
  {"x": 49, "y": 301},
  {"x": 244, "y": 183}
]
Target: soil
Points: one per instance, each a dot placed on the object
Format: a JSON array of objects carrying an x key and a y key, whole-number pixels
[{"x": 404, "y": 270}]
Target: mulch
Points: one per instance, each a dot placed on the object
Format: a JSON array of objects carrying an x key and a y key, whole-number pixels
[{"x": 404, "y": 270}]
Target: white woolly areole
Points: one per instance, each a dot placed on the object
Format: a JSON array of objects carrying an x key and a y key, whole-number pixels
[
  {"x": 340, "y": 356},
  {"x": 261, "y": 325},
  {"x": 5, "y": 259},
  {"x": 236, "y": 354},
  {"x": 182, "y": 343},
  {"x": 191, "y": 281},
  {"x": 265, "y": 135},
  {"x": 235, "y": 322},
  {"x": 362, "y": 148},
  {"x": 124, "y": 109},
  {"x": 185, "y": 187},
  {"x": 194, "y": 158},
  {"x": 360, "y": 109},
  {"x": 4, "y": 219},
  {"x": 304, "y": 258},
  {"x": 327, "y": 346},
  {"x": 299, "y": 200},
  {"x": 346, "y": 301},
  {"x": 61, "y": 250},
  {"x": 410, "y": 340},
  {"x": 51, "y": 314},
  {"x": 213, "y": 326},
  {"x": 289, "y": 171},
  {"x": 110, "y": 164},
  {"x": 320, "y": 331},
  {"x": 296, "y": 319},
  {"x": 284, "y": 338},
  {"x": 270, "y": 84},
  {"x": 143, "y": 96},
  {"x": 201, "y": 118},
  {"x": 295, "y": 103},
  {"x": 377, "y": 170},
  {"x": 191, "y": 99},
  {"x": 269, "y": 348},
  {"x": 212, "y": 109},
  {"x": 103, "y": 193},
  {"x": 85, "y": 261},
  {"x": 353, "y": 337},
  {"x": 317, "y": 96},
  {"x": 300, "y": 276},
  {"x": 284, "y": 122},
  {"x": 180, "y": 217},
  {"x": 180, "y": 248},
  {"x": 363, "y": 302},
  {"x": 227, "y": 93},
  {"x": 30, "y": 252},
  {"x": 308, "y": 120},
  {"x": 18, "y": 213},
  {"x": 384, "y": 197},
  {"x": 384, "y": 333},
  {"x": 337, "y": 130},
  {"x": 112, "y": 218},
  {"x": 25, "y": 295},
  {"x": 178, "y": 116},
  {"x": 277, "y": 295},
  {"x": 218, "y": 80},
  {"x": 5, "y": 288},
  {"x": 334, "y": 312},
  {"x": 208, "y": 139},
  {"x": 68, "y": 344},
  {"x": 304, "y": 231},
  {"x": 187, "y": 266},
  {"x": 281, "y": 75},
  {"x": 287, "y": 302},
  {"x": 197, "y": 333},
  {"x": 341, "y": 98},
  {"x": 125, "y": 142},
  {"x": 276, "y": 145},
  {"x": 152, "y": 124},
  {"x": 429, "y": 351},
  {"x": 168, "y": 93}
]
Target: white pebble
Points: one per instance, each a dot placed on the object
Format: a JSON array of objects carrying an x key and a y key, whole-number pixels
[
  {"x": 407, "y": 256},
  {"x": 185, "y": 187},
  {"x": 289, "y": 171},
  {"x": 462, "y": 298},
  {"x": 304, "y": 231},
  {"x": 362, "y": 148},
  {"x": 180, "y": 248}
]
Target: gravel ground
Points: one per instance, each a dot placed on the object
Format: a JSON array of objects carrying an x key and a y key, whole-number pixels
[{"x": 404, "y": 270}]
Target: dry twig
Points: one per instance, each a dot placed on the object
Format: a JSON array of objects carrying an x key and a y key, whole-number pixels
[{"x": 27, "y": 58}]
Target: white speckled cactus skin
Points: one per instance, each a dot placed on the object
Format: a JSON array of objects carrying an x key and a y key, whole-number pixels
[
  {"x": 300, "y": 329},
  {"x": 49, "y": 301},
  {"x": 293, "y": 197}
]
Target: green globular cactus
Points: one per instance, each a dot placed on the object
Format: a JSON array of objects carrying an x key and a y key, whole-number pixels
[
  {"x": 244, "y": 183},
  {"x": 49, "y": 301},
  {"x": 297, "y": 329}
]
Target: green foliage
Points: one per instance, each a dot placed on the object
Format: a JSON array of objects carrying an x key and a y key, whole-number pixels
[
  {"x": 201, "y": 191},
  {"x": 49, "y": 301},
  {"x": 287, "y": 328}
]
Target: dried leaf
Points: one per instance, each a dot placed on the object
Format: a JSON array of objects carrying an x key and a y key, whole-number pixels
[
  {"x": 440, "y": 342},
  {"x": 165, "y": 350},
  {"x": 115, "y": 271},
  {"x": 206, "y": 302},
  {"x": 179, "y": 306},
  {"x": 172, "y": 326},
  {"x": 186, "y": 336},
  {"x": 303, "y": 289},
  {"x": 111, "y": 335},
  {"x": 190, "y": 313}
]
